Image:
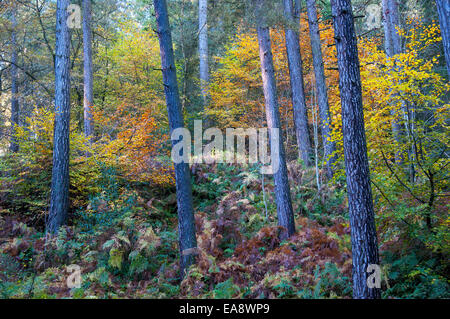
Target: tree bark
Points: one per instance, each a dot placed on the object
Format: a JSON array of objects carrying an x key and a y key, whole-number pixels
[
  {"x": 443, "y": 8},
  {"x": 203, "y": 47},
  {"x": 329, "y": 147},
  {"x": 297, "y": 85},
  {"x": 389, "y": 48},
  {"x": 393, "y": 14},
  {"x": 59, "y": 201},
  {"x": 14, "y": 146},
  {"x": 88, "y": 77},
  {"x": 361, "y": 212},
  {"x": 282, "y": 190},
  {"x": 186, "y": 223}
]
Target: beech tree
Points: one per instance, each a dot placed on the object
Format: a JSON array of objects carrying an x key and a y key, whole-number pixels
[
  {"x": 361, "y": 212},
  {"x": 59, "y": 200},
  {"x": 443, "y": 9},
  {"x": 88, "y": 79},
  {"x": 283, "y": 196},
  {"x": 329, "y": 146},
  {"x": 296, "y": 80},
  {"x": 186, "y": 223}
]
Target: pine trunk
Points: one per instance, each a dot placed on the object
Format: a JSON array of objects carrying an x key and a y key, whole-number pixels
[
  {"x": 282, "y": 191},
  {"x": 361, "y": 212},
  {"x": 186, "y": 223},
  {"x": 322, "y": 94},
  {"x": 14, "y": 146},
  {"x": 388, "y": 44},
  {"x": 59, "y": 201},
  {"x": 203, "y": 47},
  {"x": 88, "y": 78},
  {"x": 297, "y": 85},
  {"x": 443, "y": 8}
]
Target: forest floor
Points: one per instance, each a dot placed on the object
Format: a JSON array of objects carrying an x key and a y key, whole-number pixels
[{"x": 125, "y": 243}]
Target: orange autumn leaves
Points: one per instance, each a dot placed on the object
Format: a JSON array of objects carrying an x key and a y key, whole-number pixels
[
  {"x": 236, "y": 89},
  {"x": 132, "y": 126}
]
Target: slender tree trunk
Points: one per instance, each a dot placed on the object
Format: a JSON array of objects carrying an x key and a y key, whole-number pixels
[
  {"x": 59, "y": 201},
  {"x": 363, "y": 233},
  {"x": 203, "y": 47},
  {"x": 443, "y": 8},
  {"x": 297, "y": 85},
  {"x": 329, "y": 147},
  {"x": 14, "y": 146},
  {"x": 186, "y": 223},
  {"x": 393, "y": 20},
  {"x": 282, "y": 191},
  {"x": 88, "y": 78},
  {"x": 388, "y": 44},
  {"x": 396, "y": 40}
]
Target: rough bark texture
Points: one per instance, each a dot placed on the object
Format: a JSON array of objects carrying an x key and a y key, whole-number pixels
[
  {"x": 363, "y": 234},
  {"x": 14, "y": 146},
  {"x": 443, "y": 8},
  {"x": 297, "y": 85},
  {"x": 186, "y": 225},
  {"x": 88, "y": 79},
  {"x": 282, "y": 191},
  {"x": 324, "y": 109},
  {"x": 59, "y": 201},
  {"x": 203, "y": 46}
]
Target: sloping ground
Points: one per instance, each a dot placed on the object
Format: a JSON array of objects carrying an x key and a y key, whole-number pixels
[{"x": 126, "y": 246}]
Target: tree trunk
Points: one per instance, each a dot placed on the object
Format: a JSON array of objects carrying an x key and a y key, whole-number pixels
[
  {"x": 393, "y": 13},
  {"x": 14, "y": 146},
  {"x": 186, "y": 223},
  {"x": 283, "y": 195},
  {"x": 88, "y": 78},
  {"x": 363, "y": 233},
  {"x": 443, "y": 8},
  {"x": 59, "y": 201},
  {"x": 388, "y": 44},
  {"x": 329, "y": 147},
  {"x": 203, "y": 47},
  {"x": 297, "y": 86}
]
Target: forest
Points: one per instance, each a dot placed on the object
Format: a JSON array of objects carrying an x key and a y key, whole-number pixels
[{"x": 224, "y": 149}]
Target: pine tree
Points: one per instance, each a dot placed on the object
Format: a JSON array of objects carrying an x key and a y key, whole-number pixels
[
  {"x": 88, "y": 78},
  {"x": 14, "y": 146},
  {"x": 282, "y": 191},
  {"x": 443, "y": 8},
  {"x": 186, "y": 223},
  {"x": 321, "y": 86},
  {"x": 203, "y": 47},
  {"x": 296, "y": 80},
  {"x": 361, "y": 212},
  {"x": 59, "y": 200}
]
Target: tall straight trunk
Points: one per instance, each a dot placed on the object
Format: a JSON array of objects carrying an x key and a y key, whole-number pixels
[
  {"x": 389, "y": 48},
  {"x": 393, "y": 19},
  {"x": 396, "y": 41},
  {"x": 329, "y": 146},
  {"x": 88, "y": 78},
  {"x": 203, "y": 47},
  {"x": 186, "y": 223},
  {"x": 14, "y": 146},
  {"x": 363, "y": 233},
  {"x": 59, "y": 200},
  {"x": 297, "y": 86},
  {"x": 282, "y": 190},
  {"x": 443, "y": 9}
]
